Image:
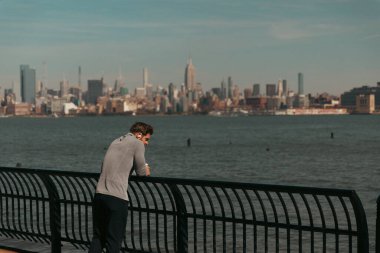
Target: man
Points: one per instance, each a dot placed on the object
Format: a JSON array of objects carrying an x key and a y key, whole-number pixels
[{"x": 110, "y": 205}]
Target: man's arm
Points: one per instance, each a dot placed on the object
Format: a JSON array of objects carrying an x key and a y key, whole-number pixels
[{"x": 139, "y": 158}]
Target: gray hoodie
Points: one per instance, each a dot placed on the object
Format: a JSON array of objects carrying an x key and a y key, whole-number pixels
[{"x": 124, "y": 154}]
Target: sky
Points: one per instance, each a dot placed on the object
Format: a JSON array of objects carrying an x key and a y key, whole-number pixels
[{"x": 334, "y": 43}]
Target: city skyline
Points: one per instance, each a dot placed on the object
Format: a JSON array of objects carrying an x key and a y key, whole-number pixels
[{"x": 333, "y": 43}]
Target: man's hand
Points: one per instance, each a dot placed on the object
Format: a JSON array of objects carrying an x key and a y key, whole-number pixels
[{"x": 147, "y": 170}]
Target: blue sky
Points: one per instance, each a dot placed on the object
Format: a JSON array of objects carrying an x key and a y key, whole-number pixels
[{"x": 334, "y": 43}]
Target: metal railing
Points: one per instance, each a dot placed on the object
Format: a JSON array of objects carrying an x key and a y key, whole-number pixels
[{"x": 182, "y": 215}]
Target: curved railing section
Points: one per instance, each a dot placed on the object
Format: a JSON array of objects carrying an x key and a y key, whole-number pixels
[{"x": 182, "y": 215}]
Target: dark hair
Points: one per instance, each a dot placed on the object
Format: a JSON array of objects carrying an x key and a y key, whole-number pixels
[{"x": 141, "y": 127}]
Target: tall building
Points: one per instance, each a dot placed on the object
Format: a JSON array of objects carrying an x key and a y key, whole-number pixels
[
  {"x": 190, "y": 76},
  {"x": 145, "y": 77},
  {"x": 94, "y": 90},
  {"x": 222, "y": 90},
  {"x": 300, "y": 83},
  {"x": 271, "y": 90},
  {"x": 171, "y": 93},
  {"x": 28, "y": 84},
  {"x": 64, "y": 88},
  {"x": 284, "y": 88},
  {"x": 256, "y": 90},
  {"x": 229, "y": 89},
  {"x": 279, "y": 88}
]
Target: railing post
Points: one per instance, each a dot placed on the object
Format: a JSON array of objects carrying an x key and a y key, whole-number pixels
[
  {"x": 54, "y": 211},
  {"x": 361, "y": 221},
  {"x": 378, "y": 226},
  {"x": 182, "y": 233}
]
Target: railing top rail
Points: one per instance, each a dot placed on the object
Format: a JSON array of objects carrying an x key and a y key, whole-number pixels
[{"x": 200, "y": 182}]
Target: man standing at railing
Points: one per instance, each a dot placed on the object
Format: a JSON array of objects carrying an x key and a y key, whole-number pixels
[{"x": 110, "y": 206}]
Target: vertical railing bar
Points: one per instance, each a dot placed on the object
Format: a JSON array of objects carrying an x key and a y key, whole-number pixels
[
  {"x": 377, "y": 237},
  {"x": 132, "y": 187},
  {"x": 275, "y": 219},
  {"x": 54, "y": 212},
  {"x": 332, "y": 207},
  {"x": 204, "y": 219},
  {"x": 67, "y": 182},
  {"x": 349, "y": 227},
  {"x": 89, "y": 191},
  {"x": 284, "y": 206},
  {"x": 14, "y": 178},
  {"x": 2, "y": 179},
  {"x": 213, "y": 220},
  {"x": 38, "y": 182},
  {"x": 165, "y": 216},
  {"x": 23, "y": 183},
  {"x": 311, "y": 222},
  {"x": 243, "y": 218},
  {"x": 321, "y": 213},
  {"x": 253, "y": 220},
  {"x": 174, "y": 208},
  {"x": 194, "y": 219},
  {"x": 147, "y": 214},
  {"x": 223, "y": 215},
  {"x": 263, "y": 209},
  {"x": 182, "y": 226},
  {"x": 299, "y": 221},
  {"x": 13, "y": 204},
  {"x": 79, "y": 205},
  {"x": 233, "y": 219},
  {"x": 361, "y": 223},
  {"x": 58, "y": 180},
  {"x": 132, "y": 220},
  {"x": 156, "y": 210}
]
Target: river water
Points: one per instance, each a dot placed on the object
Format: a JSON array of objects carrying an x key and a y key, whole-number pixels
[{"x": 289, "y": 150}]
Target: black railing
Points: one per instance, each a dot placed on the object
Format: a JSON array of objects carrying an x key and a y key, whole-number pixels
[{"x": 179, "y": 215}]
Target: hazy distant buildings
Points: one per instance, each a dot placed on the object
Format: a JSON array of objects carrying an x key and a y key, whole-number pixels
[
  {"x": 28, "y": 84},
  {"x": 256, "y": 90},
  {"x": 279, "y": 88},
  {"x": 300, "y": 84},
  {"x": 190, "y": 75},
  {"x": 64, "y": 88},
  {"x": 270, "y": 90},
  {"x": 94, "y": 90}
]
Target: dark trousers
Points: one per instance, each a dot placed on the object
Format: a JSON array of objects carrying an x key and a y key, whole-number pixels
[{"x": 109, "y": 221}]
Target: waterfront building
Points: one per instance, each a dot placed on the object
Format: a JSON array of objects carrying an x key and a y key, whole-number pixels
[
  {"x": 190, "y": 75},
  {"x": 28, "y": 84},
  {"x": 300, "y": 84},
  {"x": 256, "y": 90},
  {"x": 94, "y": 90},
  {"x": 365, "y": 104},
  {"x": 140, "y": 92},
  {"x": 19, "y": 109},
  {"x": 348, "y": 98},
  {"x": 222, "y": 90},
  {"x": 271, "y": 90}
]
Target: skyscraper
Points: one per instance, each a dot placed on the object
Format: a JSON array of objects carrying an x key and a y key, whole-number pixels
[
  {"x": 279, "y": 88},
  {"x": 284, "y": 88},
  {"x": 271, "y": 90},
  {"x": 190, "y": 76},
  {"x": 256, "y": 90},
  {"x": 300, "y": 83},
  {"x": 94, "y": 90},
  {"x": 28, "y": 84},
  {"x": 230, "y": 84}
]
